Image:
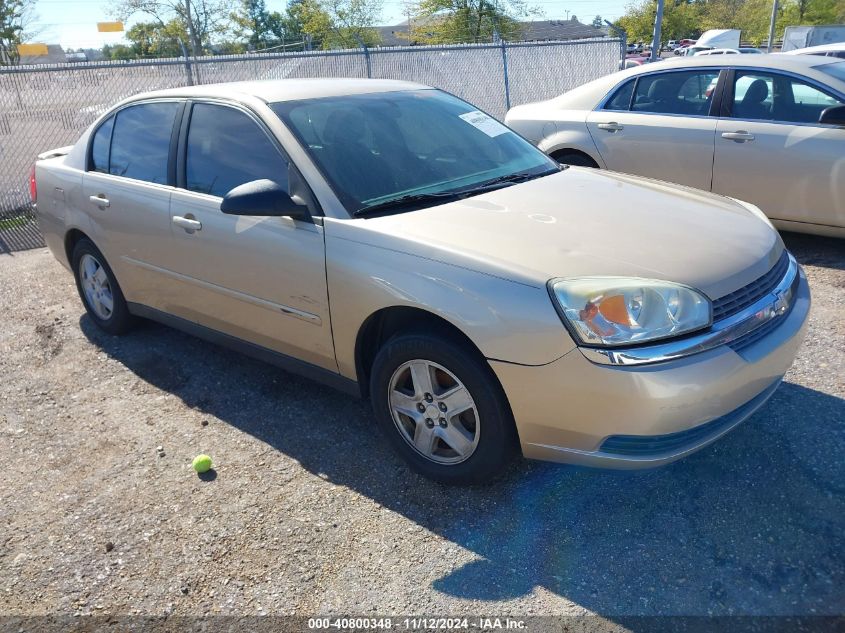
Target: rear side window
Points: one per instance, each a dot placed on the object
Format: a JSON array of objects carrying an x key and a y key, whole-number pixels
[
  {"x": 227, "y": 148},
  {"x": 621, "y": 100},
  {"x": 100, "y": 147},
  {"x": 140, "y": 144}
]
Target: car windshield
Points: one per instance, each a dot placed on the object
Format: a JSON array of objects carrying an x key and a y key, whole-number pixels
[
  {"x": 834, "y": 70},
  {"x": 406, "y": 149}
]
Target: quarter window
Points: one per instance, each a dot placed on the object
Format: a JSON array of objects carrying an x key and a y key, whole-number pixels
[
  {"x": 140, "y": 144},
  {"x": 100, "y": 146},
  {"x": 776, "y": 97},
  {"x": 227, "y": 148},
  {"x": 622, "y": 99},
  {"x": 687, "y": 93}
]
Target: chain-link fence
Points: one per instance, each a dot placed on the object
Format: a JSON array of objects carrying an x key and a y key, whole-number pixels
[{"x": 45, "y": 107}]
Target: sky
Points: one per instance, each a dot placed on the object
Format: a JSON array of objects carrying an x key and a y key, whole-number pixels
[{"x": 73, "y": 23}]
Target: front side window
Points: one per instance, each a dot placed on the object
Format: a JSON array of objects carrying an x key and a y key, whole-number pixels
[
  {"x": 100, "y": 147},
  {"x": 375, "y": 149},
  {"x": 140, "y": 144},
  {"x": 775, "y": 97},
  {"x": 688, "y": 93},
  {"x": 227, "y": 148}
]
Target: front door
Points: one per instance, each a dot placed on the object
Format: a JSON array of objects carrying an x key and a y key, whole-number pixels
[
  {"x": 772, "y": 152},
  {"x": 260, "y": 279}
]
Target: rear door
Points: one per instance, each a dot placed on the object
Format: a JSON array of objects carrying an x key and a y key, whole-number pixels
[
  {"x": 260, "y": 279},
  {"x": 772, "y": 152},
  {"x": 660, "y": 125},
  {"x": 126, "y": 191}
]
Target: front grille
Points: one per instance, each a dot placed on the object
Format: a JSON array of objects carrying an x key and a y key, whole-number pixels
[
  {"x": 748, "y": 295},
  {"x": 656, "y": 446}
]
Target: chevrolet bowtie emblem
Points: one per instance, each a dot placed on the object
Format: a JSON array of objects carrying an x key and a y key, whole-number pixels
[{"x": 781, "y": 304}]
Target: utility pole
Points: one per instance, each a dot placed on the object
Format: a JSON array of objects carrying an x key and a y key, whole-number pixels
[
  {"x": 191, "y": 31},
  {"x": 772, "y": 26},
  {"x": 195, "y": 47},
  {"x": 658, "y": 24}
]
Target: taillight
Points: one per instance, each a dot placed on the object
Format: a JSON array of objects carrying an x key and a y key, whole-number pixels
[{"x": 33, "y": 189}]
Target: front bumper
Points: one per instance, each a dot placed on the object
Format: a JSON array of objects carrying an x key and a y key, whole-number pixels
[{"x": 636, "y": 416}]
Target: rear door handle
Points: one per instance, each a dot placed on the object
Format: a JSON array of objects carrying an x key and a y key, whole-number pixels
[
  {"x": 613, "y": 126},
  {"x": 739, "y": 136},
  {"x": 100, "y": 200},
  {"x": 188, "y": 224}
]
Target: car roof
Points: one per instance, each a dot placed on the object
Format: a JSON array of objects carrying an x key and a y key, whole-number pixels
[
  {"x": 794, "y": 63},
  {"x": 275, "y": 90},
  {"x": 586, "y": 97},
  {"x": 836, "y": 46}
]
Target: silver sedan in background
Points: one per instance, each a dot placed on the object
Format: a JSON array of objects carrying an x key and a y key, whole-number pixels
[{"x": 768, "y": 129}]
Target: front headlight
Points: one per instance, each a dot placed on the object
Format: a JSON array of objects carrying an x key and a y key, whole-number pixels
[{"x": 622, "y": 311}]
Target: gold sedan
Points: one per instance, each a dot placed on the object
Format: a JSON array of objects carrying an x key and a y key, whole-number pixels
[{"x": 395, "y": 242}]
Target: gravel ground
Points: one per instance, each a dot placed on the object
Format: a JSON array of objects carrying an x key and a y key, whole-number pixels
[{"x": 309, "y": 513}]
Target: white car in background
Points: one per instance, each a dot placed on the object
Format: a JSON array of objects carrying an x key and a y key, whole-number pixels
[
  {"x": 767, "y": 129},
  {"x": 825, "y": 50},
  {"x": 744, "y": 50}
]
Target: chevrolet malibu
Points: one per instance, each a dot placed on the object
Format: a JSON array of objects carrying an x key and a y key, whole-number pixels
[
  {"x": 768, "y": 129},
  {"x": 395, "y": 242}
]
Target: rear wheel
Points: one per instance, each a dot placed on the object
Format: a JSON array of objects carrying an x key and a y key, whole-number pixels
[
  {"x": 442, "y": 408},
  {"x": 100, "y": 293},
  {"x": 574, "y": 158}
]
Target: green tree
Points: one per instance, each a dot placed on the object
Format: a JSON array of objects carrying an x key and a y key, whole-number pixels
[
  {"x": 150, "y": 39},
  {"x": 252, "y": 22},
  {"x": 16, "y": 17},
  {"x": 598, "y": 23},
  {"x": 118, "y": 52},
  {"x": 209, "y": 18},
  {"x": 453, "y": 21}
]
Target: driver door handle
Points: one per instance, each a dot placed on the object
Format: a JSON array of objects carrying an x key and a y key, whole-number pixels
[
  {"x": 740, "y": 136},
  {"x": 187, "y": 223},
  {"x": 100, "y": 200},
  {"x": 613, "y": 126}
]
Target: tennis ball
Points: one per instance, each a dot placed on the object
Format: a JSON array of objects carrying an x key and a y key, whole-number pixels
[{"x": 202, "y": 463}]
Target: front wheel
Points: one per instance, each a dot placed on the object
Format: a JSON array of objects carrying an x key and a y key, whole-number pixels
[{"x": 442, "y": 409}]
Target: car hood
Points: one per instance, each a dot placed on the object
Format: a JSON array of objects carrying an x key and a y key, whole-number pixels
[{"x": 584, "y": 222}]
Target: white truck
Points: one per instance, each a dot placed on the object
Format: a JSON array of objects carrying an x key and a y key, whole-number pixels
[
  {"x": 795, "y": 37},
  {"x": 715, "y": 38}
]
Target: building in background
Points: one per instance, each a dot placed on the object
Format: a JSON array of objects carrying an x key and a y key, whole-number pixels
[{"x": 532, "y": 31}]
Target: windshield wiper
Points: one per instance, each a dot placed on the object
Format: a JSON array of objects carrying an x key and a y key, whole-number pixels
[
  {"x": 407, "y": 201},
  {"x": 454, "y": 194},
  {"x": 505, "y": 180}
]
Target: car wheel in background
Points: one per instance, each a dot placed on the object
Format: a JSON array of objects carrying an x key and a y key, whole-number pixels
[
  {"x": 574, "y": 158},
  {"x": 442, "y": 409},
  {"x": 101, "y": 295}
]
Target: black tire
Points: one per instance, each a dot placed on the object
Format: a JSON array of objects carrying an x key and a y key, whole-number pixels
[
  {"x": 573, "y": 158},
  {"x": 497, "y": 439},
  {"x": 119, "y": 321}
]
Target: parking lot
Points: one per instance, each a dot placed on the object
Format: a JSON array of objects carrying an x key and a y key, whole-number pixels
[{"x": 309, "y": 512}]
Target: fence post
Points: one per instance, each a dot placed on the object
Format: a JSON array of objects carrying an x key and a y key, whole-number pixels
[
  {"x": 505, "y": 73},
  {"x": 623, "y": 44},
  {"x": 188, "y": 72},
  {"x": 366, "y": 52}
]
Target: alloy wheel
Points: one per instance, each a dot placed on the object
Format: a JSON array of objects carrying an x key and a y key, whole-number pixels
[{"x": 434, "y": 412}]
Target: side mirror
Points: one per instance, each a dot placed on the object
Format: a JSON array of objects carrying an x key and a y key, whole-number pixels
[
  {"x": 835, "y": 115},
  {"x": 262, "y": 197}
]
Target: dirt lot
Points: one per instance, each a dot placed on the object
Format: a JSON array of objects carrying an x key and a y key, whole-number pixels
[{"x": 309, "y": 512}]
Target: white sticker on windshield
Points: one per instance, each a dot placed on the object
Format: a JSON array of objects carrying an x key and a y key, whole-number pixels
[{"x": 487, "y": 124}]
